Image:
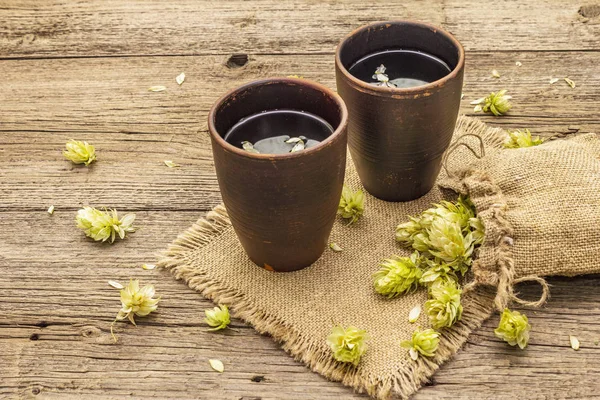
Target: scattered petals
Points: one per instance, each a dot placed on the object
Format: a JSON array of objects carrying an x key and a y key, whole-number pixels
[
  {"x": 553, "y": 81},
  {"x": 462, "y": 95},
  {"x": 180, "y": 78},
  {"x": 414, "y": 314},
  {"x": 495, "y": 74},
  {"x": 570, "y": 82},
  {"x": 478, "y": 108},
  {"x": 518, "y": 63},
  {"x": 115, "y": 284},
  {"x": 171, "y": 164},
  {"x": 148, "y": 266},
  {"x": 296, "y": 76},
  {"x": 335, "y": 247},
  {"x": 51, "y": 210},
  {"x": 574, "y": 342},
  {"x": 217, "y": 365},
  {"x": 157, "y": 88}
]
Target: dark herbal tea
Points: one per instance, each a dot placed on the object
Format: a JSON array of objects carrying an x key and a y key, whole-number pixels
[
  {"x": 278, "y": 131},
  {"x": 399, "y": 68}
]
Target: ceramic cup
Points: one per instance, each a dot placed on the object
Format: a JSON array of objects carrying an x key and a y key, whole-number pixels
[
  {"x": 397, "y": 136},
  {"x": 282, "y": 206}
]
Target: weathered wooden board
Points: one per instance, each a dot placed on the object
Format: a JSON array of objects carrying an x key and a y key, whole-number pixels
[{"x": 187, "y": 27}]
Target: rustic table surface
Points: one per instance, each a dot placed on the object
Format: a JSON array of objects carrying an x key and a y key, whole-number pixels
[{"x": 82, "y": 69}]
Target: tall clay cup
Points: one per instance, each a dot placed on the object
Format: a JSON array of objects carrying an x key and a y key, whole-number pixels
[
  {"x": 397, "y": 136},
  {"x": 282, "y": 206}
]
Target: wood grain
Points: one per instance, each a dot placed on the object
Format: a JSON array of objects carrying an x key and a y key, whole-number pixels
[
  {"x": 81, "y": 70},
  {"x": 186, "y": 27}
]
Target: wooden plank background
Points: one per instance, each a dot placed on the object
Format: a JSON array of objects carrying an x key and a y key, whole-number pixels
[{"x": 81, "y": 70}]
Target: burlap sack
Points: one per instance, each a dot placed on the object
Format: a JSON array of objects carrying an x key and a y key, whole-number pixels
[
  {"x": 298, "y": 309},
  {"x": 540, "y": 207}
]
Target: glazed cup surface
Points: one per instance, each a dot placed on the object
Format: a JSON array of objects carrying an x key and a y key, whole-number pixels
[
  {"x": 282, "y": 206},
  {"x": 397, "y": 136}
]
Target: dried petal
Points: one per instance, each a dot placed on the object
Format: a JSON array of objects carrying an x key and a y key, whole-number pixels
[
  {"x": 574, "y": 342},
  {"x": 157, "y": 88},
  {"x": 495, "y": 74},
  {"x": 518, "y": 63},
  {"x": 478, "y": 101},
  {"x": 295, "y": 76},
  {"x": 217, "y": 365},
  {"x": 51, "y": 210},
  {"x": 171, "y": 164},
  {"x": 462, "y": 95},
  {"x": 335, "y": 247},
  {"x": 115, "y": 284},
  {"x": 553, "y": 81},
  {"x": 297, "y": 147},
  {"x": 293, "y": 140},
  {"x": 148, "y": 266},
  {"x": 570, "y": 83},
  {"x": 478, "y": 108},
  {"x": 414, "y": 314},
  {"x": 180, "y": 78}
]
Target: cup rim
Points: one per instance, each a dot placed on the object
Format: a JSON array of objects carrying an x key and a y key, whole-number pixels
[
  {"x": 390, "y": 91},
  {"x": 270, "y": 81}
]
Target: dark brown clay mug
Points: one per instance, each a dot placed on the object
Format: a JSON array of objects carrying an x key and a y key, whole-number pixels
[
  {"x": 282, "y": 206},
  {"x": 397, "y": 136}
]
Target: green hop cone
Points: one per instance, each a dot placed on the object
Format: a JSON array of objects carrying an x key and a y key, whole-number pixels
[
  {"x": 423, "y": 343},
  {"x": 104, "y": 225},
  {"x": 406, "y": 232},
  {"x": 521, "y": 138},
  {"x": 218, "y": 318},
  {"x": 438, "y": 273},
  {"x": 513, "y": 328},
  {"x": 80, "y": 152},
  {"x": 497, "y": 103},
  {"x": 398, "y": 275},
  {"x": 347, "y": 344},
  {"x": 448, "y": 243},
  {"x": 352, "y": 204},
  {"x": 443, "y": 307},
  {"x": 478, "y": 230}
]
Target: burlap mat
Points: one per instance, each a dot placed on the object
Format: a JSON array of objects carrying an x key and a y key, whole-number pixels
[{"x": 298, "y": 309}]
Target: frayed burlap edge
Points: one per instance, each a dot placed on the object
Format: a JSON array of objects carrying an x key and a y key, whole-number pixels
[
  {"x": 495, "y": 266},
  {"x": 316, "y": 355}
]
